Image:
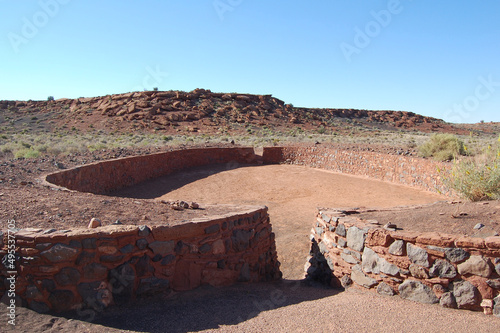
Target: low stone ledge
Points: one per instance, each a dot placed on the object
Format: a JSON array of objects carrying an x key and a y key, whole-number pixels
[
  {"x": 426, "y": 267},
  {"x": 72, "y": 269}
]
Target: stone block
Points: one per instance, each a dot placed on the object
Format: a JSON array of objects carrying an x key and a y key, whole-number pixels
[
  {"x": 417, "y": 291},
  {"x": 67, "y": 276},
  {"x": 448, "y": 300},
  {"x": 418, "y": 272},
  {"x": 61, "y": 300},
  {"x": 466, "y": 295},
  {"x": 456, "y": 255},
  {"x": 361, "y": 279},
  {"x": 378, "y": 237},
  {"x": 443, "y": 269},
  {"x": 475, "y": 265},
  {"x": 397, "y": 248},
  {"x": 95, "y": 271},
  {"x": 162, "y": 248},
  {"x": 417, "y": 255},
  {"x": 436, "y": 239},
  {"x": 356, "y": 238},
  {"x": 60, "y": 252},
  {"x": 384, "y": 289}
]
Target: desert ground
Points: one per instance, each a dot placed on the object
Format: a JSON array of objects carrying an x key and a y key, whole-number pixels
[{"x": 41, "y": 137}]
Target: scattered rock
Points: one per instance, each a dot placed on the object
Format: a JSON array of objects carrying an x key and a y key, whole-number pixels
[
  {"x": 390, "y": 226},
  {"x": 94, "y": 223},
  {"x": 485, "y": 232},
  {"x": 478, "y": 226}
]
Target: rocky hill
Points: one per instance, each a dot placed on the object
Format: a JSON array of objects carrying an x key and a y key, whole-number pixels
[{"x": 205, "y": 112}]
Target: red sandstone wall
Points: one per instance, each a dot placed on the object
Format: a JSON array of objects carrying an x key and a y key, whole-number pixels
[
  {"x": 407, "y": 170},
  {"x": 89, "y": 269},
  {"x": 106, "y": 176},
  {"x": 453, "y": 270}
]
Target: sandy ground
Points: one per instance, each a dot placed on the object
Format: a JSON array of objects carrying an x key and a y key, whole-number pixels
[
  {"x": 292, "y": 194},
  {"x": 283, "y": 306}
]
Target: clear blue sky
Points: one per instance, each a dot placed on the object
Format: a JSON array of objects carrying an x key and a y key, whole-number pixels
[{"x": 436, "y": 58}]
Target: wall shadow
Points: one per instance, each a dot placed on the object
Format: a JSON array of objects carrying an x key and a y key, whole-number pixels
[
  {"x": 210, "y": 307},
  {"x": 157, "y": 187}
]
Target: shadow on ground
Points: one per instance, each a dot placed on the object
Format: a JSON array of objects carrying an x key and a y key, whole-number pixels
[
  {"x": 157, "y": 187},
  {"x": 209, "y": 307}
]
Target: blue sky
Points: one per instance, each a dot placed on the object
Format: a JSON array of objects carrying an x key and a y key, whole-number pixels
[{"x": 438, "y": 59}]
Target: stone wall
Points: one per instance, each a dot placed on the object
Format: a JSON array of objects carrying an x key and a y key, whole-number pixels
[
  {"x": 110, "y": 175},
  {"x": 407, "y": 170},
  {"x": 452, "y": 270},
  {"x": 89, "y": 269}
]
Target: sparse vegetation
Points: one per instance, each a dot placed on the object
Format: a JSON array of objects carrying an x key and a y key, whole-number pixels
[
  {"x": 443, "y": 147},
  {"x": 477, "y": 178}
]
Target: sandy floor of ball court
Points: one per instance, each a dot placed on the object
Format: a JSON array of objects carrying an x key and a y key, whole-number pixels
[{"x": 292, "y": 194}]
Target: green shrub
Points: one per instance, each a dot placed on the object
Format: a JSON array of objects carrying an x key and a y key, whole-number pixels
[
  {"x": 50, "y": 98},
  {"x": 477, "y": 178},
  {"x": 443, "y": 147},
  {"x": 26, "y": 153}
]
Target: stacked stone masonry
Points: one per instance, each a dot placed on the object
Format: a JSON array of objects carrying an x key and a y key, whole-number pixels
[
  {"x": 400, "y": 169},
  {"x": 92, "y": 268},
  {"x": 455, "y": 271},
  {"x": 61, "y": 270}
]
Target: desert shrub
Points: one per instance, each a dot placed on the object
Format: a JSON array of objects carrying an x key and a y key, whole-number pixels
[
  {"x": 443, "y": 147},
  {"x": 26, "y": 153},
  {"x": 477, "y": 178},
  {"x": 50, "y": 98}
]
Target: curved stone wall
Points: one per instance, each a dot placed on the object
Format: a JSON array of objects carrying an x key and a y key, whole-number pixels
[
  {"x": 92, "y": 268},
  {"x": 453, "y": 270},
  {"x": 88, "y": 269},
  {"x": 106, "y": 176},
  {"x": 406, "y": 170}
]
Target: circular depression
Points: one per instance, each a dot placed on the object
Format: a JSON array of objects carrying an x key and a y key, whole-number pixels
[{"x": 292, "y": 194}]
